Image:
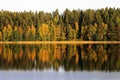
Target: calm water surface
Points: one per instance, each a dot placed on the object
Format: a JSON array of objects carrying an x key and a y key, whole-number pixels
[{"x": 60, "y": 62}]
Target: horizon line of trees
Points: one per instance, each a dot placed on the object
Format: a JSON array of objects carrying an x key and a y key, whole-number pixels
[{"x": 90, "y": 25}]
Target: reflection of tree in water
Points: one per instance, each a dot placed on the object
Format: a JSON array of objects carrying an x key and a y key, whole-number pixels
[
  {"x": 56, "y": 56},
  {"x": 70, "y": 57},
  {"x": 98, "y": 57},
  {"x": 44, "y": 57},
  {"x": 31, "y": 52},
  {"x": 114, "y": 57}
]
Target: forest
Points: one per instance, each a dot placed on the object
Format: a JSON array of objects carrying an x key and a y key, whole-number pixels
[{"x": 76, "y": 25}]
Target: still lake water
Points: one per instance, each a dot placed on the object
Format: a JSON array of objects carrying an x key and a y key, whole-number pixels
[{"x": 60, "y": 62}]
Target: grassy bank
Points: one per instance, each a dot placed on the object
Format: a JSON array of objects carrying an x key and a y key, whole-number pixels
[{"x": 60, "y": 42}]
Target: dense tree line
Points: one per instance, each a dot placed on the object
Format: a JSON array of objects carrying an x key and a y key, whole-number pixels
[{"x": 95, "y": 25}]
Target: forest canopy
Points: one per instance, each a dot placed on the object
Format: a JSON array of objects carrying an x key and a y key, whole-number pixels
[{"x": 75, "y": 25}]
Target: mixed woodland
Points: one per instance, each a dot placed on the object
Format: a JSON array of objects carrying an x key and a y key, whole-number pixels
[{"x": 75, "y": 25}]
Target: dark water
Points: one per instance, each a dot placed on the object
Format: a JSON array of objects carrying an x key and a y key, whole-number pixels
[{"x": 60, "y": 62}]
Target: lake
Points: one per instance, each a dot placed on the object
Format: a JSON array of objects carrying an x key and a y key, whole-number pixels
[{"x": 60, "y": 62}]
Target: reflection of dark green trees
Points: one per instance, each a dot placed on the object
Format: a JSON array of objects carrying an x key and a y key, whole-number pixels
[
  {"x": 114, "y": 62},
  {"x": 70, "y": 57},
  {"x": 70, "y": 61},
  {"x": 100, "y": 57}
]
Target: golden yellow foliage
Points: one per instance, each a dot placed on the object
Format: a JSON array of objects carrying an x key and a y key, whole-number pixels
[
  {"x": 1, "y": 36},
  {"x": 57, "y": 31},
  {"x": 20, "y": 30},
  {"x": 9, "y": 30},
  {"x": 76, "y": 26},
  {"x": 33, "y": 29},
  {"x": 15, "y": 28},
  {"x": 44, "y": 30}
]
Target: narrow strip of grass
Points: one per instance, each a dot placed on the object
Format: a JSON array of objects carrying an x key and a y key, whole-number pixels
[{"x": 60, "y": 42}]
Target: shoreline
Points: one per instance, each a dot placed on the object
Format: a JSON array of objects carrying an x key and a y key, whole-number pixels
[{"x": 60, "y": 42}]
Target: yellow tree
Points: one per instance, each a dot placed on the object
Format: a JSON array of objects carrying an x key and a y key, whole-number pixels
[
  {"x": 44, "y": 32},
  {"x": 9, "y": 31},
  {"x": 56, "y": 32},
  {"x": 4, "y": 33},
  {"x": 20, "y": 30},
  {"x": 31, "y": 33},
  {"x": 1, "y": 36}
]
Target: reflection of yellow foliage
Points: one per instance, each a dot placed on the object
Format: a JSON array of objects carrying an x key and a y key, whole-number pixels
[
  {"x": 104, "y": 58},
  {"x": 95, "y": 59},
  {"x": 4, "y": 53},
  {"x": 72, "y": 51},
  {"x": 71, "y": 55},
  {"x": 9, "y": 55},
  {"x": 76, "y": 57},
  {"x": 44, "y": 55},
  {"x": 83, "y": 55},
  {"x": 89, "y": 47},
  {"x": 20, "y": 54},
  {"x": 16, "y": 56},
  {"x": 101, "y": 49},
  {"x": 31, "y": 55},
  {"x": 63, "y": 47},
  {"x": 0, "y": 49},
  {"x": 57, "y": 53},
  {"x": 5, "y": 56},
  {"x": 93, "y": 56}
]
